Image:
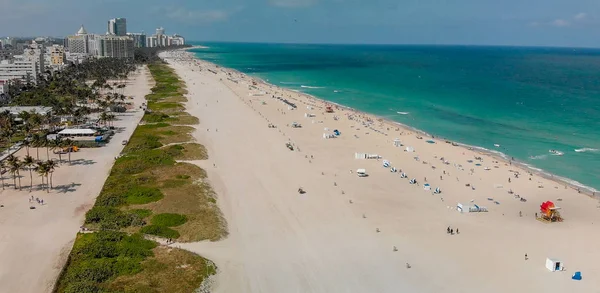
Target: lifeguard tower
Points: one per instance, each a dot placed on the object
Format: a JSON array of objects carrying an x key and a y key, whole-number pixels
[{"x": 549, "y": 213}]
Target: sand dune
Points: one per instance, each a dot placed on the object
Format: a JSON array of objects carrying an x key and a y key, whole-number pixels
[{"x": 327, "y": 241}]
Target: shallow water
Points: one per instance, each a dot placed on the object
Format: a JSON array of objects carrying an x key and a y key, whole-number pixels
[{"x": 527, "y": 100}]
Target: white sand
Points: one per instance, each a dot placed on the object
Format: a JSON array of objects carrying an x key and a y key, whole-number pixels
[
  {"x": 281, "y": 241},
  {"x": 34, "y": 244}
]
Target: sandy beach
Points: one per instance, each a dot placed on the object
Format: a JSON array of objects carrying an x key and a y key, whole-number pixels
[
  {"x": 35, "y": 243},
  {"x": 351, "y": 234}
]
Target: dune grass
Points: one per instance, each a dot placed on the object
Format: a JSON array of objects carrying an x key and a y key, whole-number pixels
[{"x": 149, "y": 192}]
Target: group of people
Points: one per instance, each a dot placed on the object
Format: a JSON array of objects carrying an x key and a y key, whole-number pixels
[
  {"x": 170, "y": 240},
  {"x": 451, "y": 231},
  {"x": 38, "y": 200}
]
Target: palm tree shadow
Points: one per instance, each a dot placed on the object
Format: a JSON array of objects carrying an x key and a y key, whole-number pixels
[
  {"x": 66, "y": 188},
  {"x": 83, "y": 162}
]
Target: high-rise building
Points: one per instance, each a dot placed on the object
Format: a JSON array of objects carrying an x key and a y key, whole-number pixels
[
  {"x": 78, "y": 43},
  {"x": 117, "y": 27},
  {"x": 35, "y": 52},
  {"x": 139, "y": 39},
  {"x": 115, "y": 46}
]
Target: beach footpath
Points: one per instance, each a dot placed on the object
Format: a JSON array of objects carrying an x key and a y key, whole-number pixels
[{"x": 35, "y": 242}]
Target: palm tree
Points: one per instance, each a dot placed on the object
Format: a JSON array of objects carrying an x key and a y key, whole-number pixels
[
  {"x": 26, "y": 142},
  {"x": 29, "y": 162},
  {"x": 2, "y": 166},
  {"x": 43, "y": 170},
  {"x": 13, "y": 167},
  {"x": 57, "y": 144},
  {"x": 37, "y": 142},
  {"x": 51, "y": 165},
  {"x": 69, "y": 144}
]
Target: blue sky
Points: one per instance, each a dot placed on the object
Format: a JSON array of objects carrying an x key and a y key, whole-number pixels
[{"x": 472, "y": 22}]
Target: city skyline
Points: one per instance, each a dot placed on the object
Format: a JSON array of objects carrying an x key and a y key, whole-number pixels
[{"x": 466, "y": 22}]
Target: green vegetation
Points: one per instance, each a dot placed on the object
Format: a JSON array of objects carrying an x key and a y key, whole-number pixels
[
  {"x": 148, "y": 177},
  {"x": 141, "y": 213},
  {"x": 98, "y": 258},
  {"x": 160, "y": 231},
  {"x": 109, "y": 261},
  {"x": 169, "y": 220}
]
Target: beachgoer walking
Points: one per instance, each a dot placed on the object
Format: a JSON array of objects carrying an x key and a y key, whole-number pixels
[
  {"x": 457, "y": 231},
  {"x": 448, "y": 230},
  {"x": 451, "y": 231},
  {"x": 526, "y": 256}
]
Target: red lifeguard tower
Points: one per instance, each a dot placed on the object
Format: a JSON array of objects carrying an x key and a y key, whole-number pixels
[{"x": 549, "y": 213}]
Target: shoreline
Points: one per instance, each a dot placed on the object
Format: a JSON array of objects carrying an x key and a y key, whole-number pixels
[
  {"x": 500, "y": 156},
  {"x": 366, "y": 229}
]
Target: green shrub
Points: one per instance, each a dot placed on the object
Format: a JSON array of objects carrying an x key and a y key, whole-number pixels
[
  {"x": 142, "y": 195},
  {"x": 99, "y": 257},
  {"x": 141, "y": 213},
  {"x": 160, "y": 231},
  {"x": 108, "y": 217},
  {"x": 183, "y": 177},
  {"x": 169, "y": 220},
  {"x": 155, "y": 117}
]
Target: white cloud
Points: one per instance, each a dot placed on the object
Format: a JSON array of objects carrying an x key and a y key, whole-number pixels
[
  {"x": 581, "y": 16},
  {"x": 293, "y": 3},
  {"x": 560, "y": 23}
]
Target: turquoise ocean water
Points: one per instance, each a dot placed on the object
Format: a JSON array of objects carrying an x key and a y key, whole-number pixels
[{"x": 527, "y": 100}]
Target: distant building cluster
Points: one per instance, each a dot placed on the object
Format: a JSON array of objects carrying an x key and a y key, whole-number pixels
[
  {"x": 26, "y": 61},
  {"x": 160, "y": 39}
]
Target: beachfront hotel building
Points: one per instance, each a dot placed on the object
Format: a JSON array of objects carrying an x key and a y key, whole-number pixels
[
  {"x": 160, "y": 39},
  {"x": 78, "y": 44},
  {"x": 139, "y": 39},
  {"x": 83, "y": 45},
  {"x": 117, "y": 27},
  {"x": 115, "y": 46}
]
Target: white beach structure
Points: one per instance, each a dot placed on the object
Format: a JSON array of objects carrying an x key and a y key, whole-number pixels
[
  {"x": 410, "y": 149},
  {"x": 470, "y": 209},
  {"x": 554, "y": 264},
  {"x": 77, "y": 132},
  {"x": 364, "y": 156},
  {"x": 397, "y": 142},
  {"x": 361, "y": 172}
]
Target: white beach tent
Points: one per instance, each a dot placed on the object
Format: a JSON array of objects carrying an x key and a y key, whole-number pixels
[
  {"x": 426, "y": 186},
  {"x": 554, "y": 265},
  {"x": 410, "y": 149},
  {"x": 397, "y": 142},
  {"x": 361, "y": 172}
]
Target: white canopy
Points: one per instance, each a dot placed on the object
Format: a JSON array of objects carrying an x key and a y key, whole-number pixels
[{"x": 75, "y": 131}]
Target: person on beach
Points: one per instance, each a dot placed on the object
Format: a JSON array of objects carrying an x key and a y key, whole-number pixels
[
  {"x": 448, "y": 230},
  {"x": 526, "y": 258}
]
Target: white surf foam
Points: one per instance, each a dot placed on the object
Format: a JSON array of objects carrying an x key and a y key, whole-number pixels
[
  {"x": 584, "y": 150},
  {"x": 311, "y": 87},
  {"x": 539, "y": 157},
  {"x": 403, "y": 113}
]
